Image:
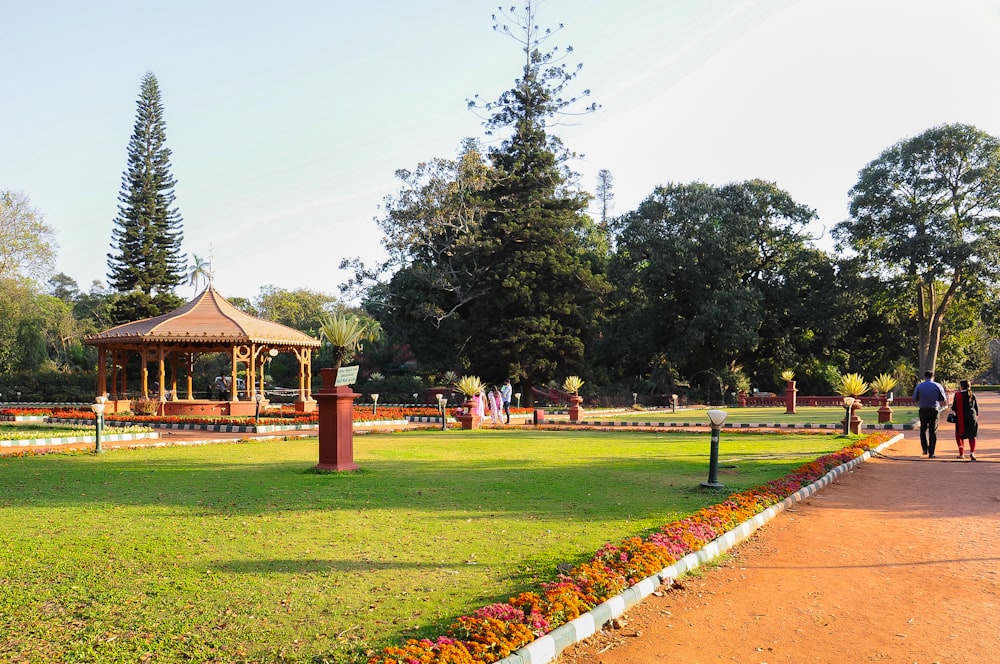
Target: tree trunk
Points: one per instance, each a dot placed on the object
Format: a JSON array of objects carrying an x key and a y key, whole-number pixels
[{"x": 930, "y": 317}]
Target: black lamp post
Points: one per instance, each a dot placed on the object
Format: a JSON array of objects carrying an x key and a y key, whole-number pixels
[
  {"x": 256, "y": 413},
  {"x": 848, "y": 403},
  {"x": 374, "y": 402},
  {"x": 98, "y": 408},
  {"x": 717, "y": 417},
  {"x": 442, "y": 406}
]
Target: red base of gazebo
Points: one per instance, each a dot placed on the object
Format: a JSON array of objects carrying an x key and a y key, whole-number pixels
[{"x": 201, "y": 407}]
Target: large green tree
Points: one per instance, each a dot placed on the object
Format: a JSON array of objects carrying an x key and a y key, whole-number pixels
[
  {"x": 27, "y": 243},
  {"x": 147, "y": 235},
  {"x": 927, "y": 212},
  {"x": 710, "y": 280}
]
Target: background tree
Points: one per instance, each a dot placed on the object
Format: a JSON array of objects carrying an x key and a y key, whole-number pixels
[
  {"x": 926, "y": 212},
  {"x": 302, "y": 309},
  {"x": 27, "y": 244},
  {"x": 433, "y": 235},
  {"x": 702, "y": 276},
  {"x": 545, "y": 283},
  {"x": 495, "y": 267},
  {"x": 147, "y": 235},
  {"x": 199, "y": 272},
  {"x": 605, "y": 195}
]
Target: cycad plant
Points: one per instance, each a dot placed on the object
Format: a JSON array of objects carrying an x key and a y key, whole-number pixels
[
  {"x": 470, "y": 386},
  {"x": 787, "y": 375},
  {"x": 572, "y": 384},
  {"x": 851, "y": 385},
  {"x": 345, "y": 332},
  {"x": 883, "y": 383}
]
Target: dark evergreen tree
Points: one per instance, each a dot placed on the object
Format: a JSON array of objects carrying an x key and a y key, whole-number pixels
[
  {"x": 147, "y": 235},
  {"x": 498, "y": 270},
  {"x": 546, "y": 262}
]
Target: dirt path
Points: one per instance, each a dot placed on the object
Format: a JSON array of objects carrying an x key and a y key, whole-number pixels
[{"x": 898, "y": 561}]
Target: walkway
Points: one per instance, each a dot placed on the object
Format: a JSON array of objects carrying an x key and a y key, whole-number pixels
[{"x": 898, "y": 561}]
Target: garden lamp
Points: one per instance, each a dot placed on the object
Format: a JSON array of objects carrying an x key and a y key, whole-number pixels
[
  {"x": 848, "y": 402},
  {"x": 673, "y": 402},
  {"x": 518, "y": 396},
  {"x": 98, "y": 408},
  {"x": 635, "y": 399},
  {"x": 442, "y": 405},
  {"x": 415, "y": 398},
  {"x": 374, "y": 402},
  {"x": 256, "y": 415},
  {"x": 716, "y": 417}
]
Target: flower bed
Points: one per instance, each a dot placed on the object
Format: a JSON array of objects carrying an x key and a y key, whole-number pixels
[{"x": 495, "y": 631}]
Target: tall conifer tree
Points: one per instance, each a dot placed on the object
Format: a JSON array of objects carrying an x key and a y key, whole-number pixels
[
  {"x": 547, "y": 260},
  {"x": 147, "y": 233}
]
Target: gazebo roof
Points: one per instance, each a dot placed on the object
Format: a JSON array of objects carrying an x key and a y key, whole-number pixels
[{"x": 207, "y": 319}]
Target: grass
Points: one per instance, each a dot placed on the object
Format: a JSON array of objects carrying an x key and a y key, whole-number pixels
[
  {"x": 803, "y": 415},
  {"x": 237, "y": 552}
]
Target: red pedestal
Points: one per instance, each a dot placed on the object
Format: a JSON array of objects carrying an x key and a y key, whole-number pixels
[
  {"x": 790, "y": 393},
  {"x": 336, "y": 424},
  {"x": 884, "y": 411},
  {"x": 468, "y": 418},
  {"x": 856, "y": 422},
  {"x": 742, "y": 399},
  {"x": 575, "y": 410}
]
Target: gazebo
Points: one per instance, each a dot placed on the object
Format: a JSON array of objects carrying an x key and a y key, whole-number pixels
[{"x": 207, "y": 324}]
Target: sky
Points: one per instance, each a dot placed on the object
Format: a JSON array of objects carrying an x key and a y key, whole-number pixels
[{"x": 287, "y": 121}]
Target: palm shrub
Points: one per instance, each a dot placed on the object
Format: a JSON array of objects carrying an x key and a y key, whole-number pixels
[
  {"x": 470, "y": 386},
  {"x": 345, "y": 332},
  {"x": 572, "y": 384},
  {"x": 851, "y": 385},
  {"x": 883, "y": 383}
]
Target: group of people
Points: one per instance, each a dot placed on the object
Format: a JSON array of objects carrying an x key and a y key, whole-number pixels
[
  {"x": 931, "y": 399},
  {"x": 496, "y": 400}
]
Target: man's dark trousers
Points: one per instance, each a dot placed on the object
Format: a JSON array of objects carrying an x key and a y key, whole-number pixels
[{"x": 928, "y": 430}]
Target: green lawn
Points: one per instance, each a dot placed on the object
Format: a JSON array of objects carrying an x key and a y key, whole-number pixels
[
  {"x": 803, "y": 415},
  {"x": 237, "y": 552}
]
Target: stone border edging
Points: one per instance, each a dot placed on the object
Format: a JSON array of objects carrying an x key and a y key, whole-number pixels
[
  {"x": 909, "y": 426},
  {"x": 70, "y": 440},
  {"x": 545, "y": 648}
]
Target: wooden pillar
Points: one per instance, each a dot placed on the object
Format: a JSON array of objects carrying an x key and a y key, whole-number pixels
[
  {"x": 233, "y": 387},
  {"x": 102, "y": 376},
  {"x": 144, "y": 358},
  {"x": 116, "y": 390},
  {"x": 190, "y": 375},
  {"x": 161, "y": 380}
]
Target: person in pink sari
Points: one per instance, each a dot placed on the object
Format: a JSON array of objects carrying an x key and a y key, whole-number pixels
[
  {"x": 496, "y": 410},
  {"x": 481, "y": 405}
]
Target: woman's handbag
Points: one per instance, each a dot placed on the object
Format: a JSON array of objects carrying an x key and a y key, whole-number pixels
[{"x": 951, "y": 418}]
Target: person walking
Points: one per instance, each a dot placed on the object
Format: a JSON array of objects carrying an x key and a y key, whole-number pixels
[
  {"x": 930, "y": 398},
  {"x": 966, "y": 409},
  {"x": 506, "y": 392}
]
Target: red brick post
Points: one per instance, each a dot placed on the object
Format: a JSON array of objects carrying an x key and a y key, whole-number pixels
[
  {"x": 790, "y": 393},
  {"x": 336, "y": 424}
]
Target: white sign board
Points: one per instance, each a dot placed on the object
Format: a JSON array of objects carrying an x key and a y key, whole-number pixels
[{"x": 346, "y": 376}]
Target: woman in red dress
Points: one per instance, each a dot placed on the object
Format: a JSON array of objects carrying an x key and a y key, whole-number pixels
[{"x": 966, "y": 410}]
